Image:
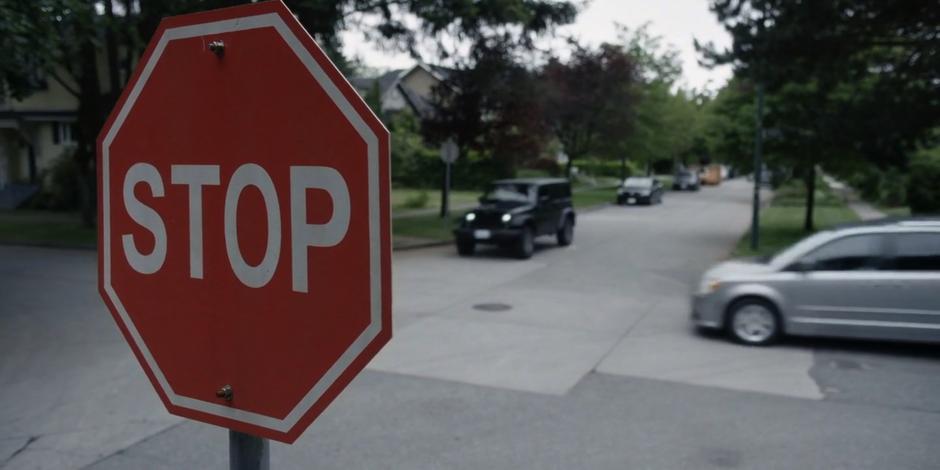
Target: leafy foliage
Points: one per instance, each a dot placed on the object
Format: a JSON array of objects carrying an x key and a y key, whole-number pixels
[
  {"x": 65, "y": 40},
  {"x": 590, "y": 98},
  {"x": 923, "y": 190},
  {"x": 491, "y": 107},
  {"x": 849, "y": 79}
]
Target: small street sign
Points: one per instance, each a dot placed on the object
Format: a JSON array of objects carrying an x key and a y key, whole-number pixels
[{"x": 449, "y": 151}]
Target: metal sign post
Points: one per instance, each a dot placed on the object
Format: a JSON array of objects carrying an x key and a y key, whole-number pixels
[
  {"x": 449, "y": 153},
  {"x": 247, "y": 452},
  {"x": 758, "y": 163}
]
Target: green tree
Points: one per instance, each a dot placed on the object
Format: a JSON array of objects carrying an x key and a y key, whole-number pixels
[
  {"x": 666, "y": 124},
  {"x": 852, "y": 79},
  {"x": 65, "y": 40},
  {"x": 589, "y": 99}
]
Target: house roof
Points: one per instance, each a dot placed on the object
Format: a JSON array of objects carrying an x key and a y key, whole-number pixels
[
  {"x": 421, "y": 106},
  {"x": 385, "y": 81},
  {"x": 392, "y": 78}
]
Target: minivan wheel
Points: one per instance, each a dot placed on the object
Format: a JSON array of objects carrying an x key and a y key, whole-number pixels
[
  {"x": 754, "y": 322},
  {"x": 465, "y": 247},
  {"x": 525, "y": 244},
  {"x": 566, "y": 232}
]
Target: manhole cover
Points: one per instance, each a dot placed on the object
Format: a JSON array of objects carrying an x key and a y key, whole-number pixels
[
  {"x": 846, "y": 364},
  {"x": 492, "y": 307}
]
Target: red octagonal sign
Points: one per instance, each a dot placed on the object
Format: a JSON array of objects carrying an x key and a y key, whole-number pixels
[{"x": 243, "y": 221}]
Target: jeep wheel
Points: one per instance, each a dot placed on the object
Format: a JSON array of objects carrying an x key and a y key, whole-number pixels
[
  {"x": 566, "y": 232},
  {"x": 465, "y": 247},
  {"x": 525, "y": 244}
]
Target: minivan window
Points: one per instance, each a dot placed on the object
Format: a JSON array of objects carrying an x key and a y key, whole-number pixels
[
  {"x": 851, "y": 253},
  {"x": 916, "y": 252}
]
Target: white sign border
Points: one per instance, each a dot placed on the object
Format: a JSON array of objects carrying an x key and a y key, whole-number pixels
[{"x": 375, "y": 240}]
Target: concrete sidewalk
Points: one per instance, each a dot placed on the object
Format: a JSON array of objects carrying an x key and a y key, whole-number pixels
[{"x": 864, "y": 210}]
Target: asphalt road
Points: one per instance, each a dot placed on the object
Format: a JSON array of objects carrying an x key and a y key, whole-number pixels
[{"x": 581, "y": 357}]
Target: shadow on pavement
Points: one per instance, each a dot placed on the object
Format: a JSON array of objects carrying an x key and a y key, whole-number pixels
[
  {"x": 542, "y": 245},
  {"x": 836, "y": 345},
  {"x": 883, "y": 348}
]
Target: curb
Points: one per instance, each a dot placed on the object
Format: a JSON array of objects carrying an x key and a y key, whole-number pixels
[
  {"x": 50, "y": 244},
  {"x": 418, "y": 246}
]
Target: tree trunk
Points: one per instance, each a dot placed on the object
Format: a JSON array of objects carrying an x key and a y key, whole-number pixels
[
  {"x": 810, "y": 182},
  {"x": 111, "y": 48},
  {"x": 568, "y": 167},
  {"x": 623, "y": 168},
  {"x": 89, "y": 123}
]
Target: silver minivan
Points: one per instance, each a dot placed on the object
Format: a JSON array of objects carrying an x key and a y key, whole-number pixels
[{"x": 877, "y": 280}]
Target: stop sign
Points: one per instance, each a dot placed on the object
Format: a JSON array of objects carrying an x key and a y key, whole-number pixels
[{"x": 244, "y": 221}]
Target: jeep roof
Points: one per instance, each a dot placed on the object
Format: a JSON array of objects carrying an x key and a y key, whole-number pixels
[{"x": 532, "y": 181}]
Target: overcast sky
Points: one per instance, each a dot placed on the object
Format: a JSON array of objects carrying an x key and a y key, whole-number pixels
[{"x": 677, "y": 21}]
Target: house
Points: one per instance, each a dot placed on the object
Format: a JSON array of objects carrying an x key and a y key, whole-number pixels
[
  {"x": 37, "y": 130},
  {"x": 410, "y": 89},
  {"x": 34, "y": 133}
]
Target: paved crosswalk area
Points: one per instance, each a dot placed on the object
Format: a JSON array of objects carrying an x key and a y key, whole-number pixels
[{"x": 616, "y": 302}]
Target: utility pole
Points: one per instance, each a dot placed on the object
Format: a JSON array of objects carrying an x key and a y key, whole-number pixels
[{"x": 758, "y": 164}]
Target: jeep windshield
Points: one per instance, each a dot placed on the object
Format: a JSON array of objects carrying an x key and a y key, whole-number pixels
[
  {"x": 638, "y": 183},
  {"x": 506, "y": 192}
]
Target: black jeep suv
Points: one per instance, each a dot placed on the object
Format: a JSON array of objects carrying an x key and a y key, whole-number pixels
[{"x": 513, "y": 212}]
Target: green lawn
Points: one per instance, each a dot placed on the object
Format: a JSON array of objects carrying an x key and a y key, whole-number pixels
[
  {"x": 36, "y": 227},
  {"x": 407, "y": 198},
  {"x": 895, "y": 211},
  {"x": 781, "y": 224},
  {"x": 587, "y": 197},
  {"x": 424, "y": 226},
  {"x": 666, "y": 180}
]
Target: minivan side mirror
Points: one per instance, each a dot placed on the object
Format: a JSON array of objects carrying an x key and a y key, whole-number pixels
[{"x": 801, "y": 266}]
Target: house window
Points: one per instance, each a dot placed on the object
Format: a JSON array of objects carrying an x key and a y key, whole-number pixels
[{"x": 63, "y": 133}]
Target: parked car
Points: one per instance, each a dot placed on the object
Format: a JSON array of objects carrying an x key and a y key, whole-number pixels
[
  {"x": 636, "y": 190},
  {"x": 877, "y": 280},
  {"x": 710, "y": 175},
  {"x": 514, "y": 212},
  {"x": 685, "y": 180}
]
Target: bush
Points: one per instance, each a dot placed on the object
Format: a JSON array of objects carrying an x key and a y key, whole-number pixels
[
  {"x": 893, "y": 189},
  {"x": 923, "y": 190},
  {"x": 542, "y": 166},
  {"x": 417, "y": 165},
  {"x": 609, "y": 168},
  {"x": 417, "y": 201},
  {"x": 867, "y": 182},
  {"x": 888, "y": 188},
  {"x": 60, "y": 186}
]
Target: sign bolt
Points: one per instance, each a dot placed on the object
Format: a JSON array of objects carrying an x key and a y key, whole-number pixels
[
  {"x": 218, "y": 47},
  {"x": 225, "y": 393}
]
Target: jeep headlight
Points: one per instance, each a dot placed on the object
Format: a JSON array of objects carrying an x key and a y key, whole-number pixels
[
  {"x": 506, "y": 218},
  {"x": 470, "y": 217}
]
